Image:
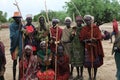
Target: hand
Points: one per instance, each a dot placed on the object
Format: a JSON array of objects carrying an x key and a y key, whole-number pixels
[{"x": 73, "y": 33}]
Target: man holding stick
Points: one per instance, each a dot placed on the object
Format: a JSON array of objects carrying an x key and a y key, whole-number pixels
[
  {"x": 91, "y": 36},
  {"x": 16, "y": 41}
]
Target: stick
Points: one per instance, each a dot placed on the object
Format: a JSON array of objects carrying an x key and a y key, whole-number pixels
[
  {"x": 47, "y": 12},
  {"x": 56, "y": 54},
  {"x": 92, "y": 49},
  {"x": 77, "y": 10}
]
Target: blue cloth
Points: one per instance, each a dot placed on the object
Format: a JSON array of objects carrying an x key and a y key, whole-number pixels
[
  {"x": 16, "y": 38},
  {"x": 117, "y": 61}
]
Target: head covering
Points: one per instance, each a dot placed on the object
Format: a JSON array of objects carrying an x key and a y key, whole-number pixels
[
  {"x": 86, "y": 16},
  {"x": 79, "y": 18},
  {"x": 29, "y": 16},
  {"x": 28, "y": 47},
  {"x": 17, "y": 14},
  {"x": 68, "y": 18},
  {"x": 43, "y": 42},
  {"x": 56, "y": 20}
]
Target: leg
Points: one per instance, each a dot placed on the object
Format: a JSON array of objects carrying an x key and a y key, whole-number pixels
[
  {"x": 2, "y": 78},
  {"x": 77, "y": 68},
  {"x": 89, "y": 72},
  {"x": 71, "y": 71},
  {"x": 95, "y": 72},
  {"x": 81, "y": 71},
  {"x": 14, "y": 69}
]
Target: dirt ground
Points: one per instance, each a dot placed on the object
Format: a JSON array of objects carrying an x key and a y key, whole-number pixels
[{"x": 106, "y": 72}]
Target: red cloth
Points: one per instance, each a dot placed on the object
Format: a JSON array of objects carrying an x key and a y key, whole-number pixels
[
  {"x": 97, "y": 49},
  {"x": 63, "y": 71},
  {"x": 29, "y": 29},
  {"x": 47, "y": 75},
  {"x": 53, "y": 32},
  {"x": 115, "y": 27}
]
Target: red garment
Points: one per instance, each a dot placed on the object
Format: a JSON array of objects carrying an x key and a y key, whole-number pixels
[
  {"x": 53, "y": 32},
  {"x": 115, "y": 27},
  {"x": 63, "y": 71},
  {"x": 29, "y": 29},
  {"x": 30, "y": 67},
  {"x": 97, "y": 50}
]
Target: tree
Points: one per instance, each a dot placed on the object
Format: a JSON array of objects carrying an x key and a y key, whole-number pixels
[
  {"x": 3, "y": 17},
  {"x": 52, "y": 14},
  {"x": 103, "y": 10}
]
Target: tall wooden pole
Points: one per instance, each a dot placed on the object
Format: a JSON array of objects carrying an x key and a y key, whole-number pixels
[
  {"x": 92, "y": 50},
  {"x": 56, "y": 53}
]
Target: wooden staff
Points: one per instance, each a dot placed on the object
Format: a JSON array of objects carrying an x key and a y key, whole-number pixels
[
  {"x": 92, "y": 49},
  {"x": 56, "y": 52},
  {"x": 47, "y": 12}
]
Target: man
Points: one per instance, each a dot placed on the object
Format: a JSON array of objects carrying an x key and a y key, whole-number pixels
[
  {"x": 91, "y": 36},
  {"x": 55, "y": 35},
  {"x": 63, "y": 71},
  {"x": 116, "y": 52},
  {"x": 42, "y": 31},
  {"x": 115, "y": 29},
  {"x": 66, "y": 33},
  {"x": 16, "y": 40},
  {"x": 77, "y": 50},
  {"x": 29, "y": 33},
  {"x": 2, "y": 61}
]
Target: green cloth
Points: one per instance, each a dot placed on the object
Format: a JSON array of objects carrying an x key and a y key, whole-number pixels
[
  {"x": 42, "y": 55},
  {"x": 77, "y": 50},
  {"x": 40, "y": 33}
]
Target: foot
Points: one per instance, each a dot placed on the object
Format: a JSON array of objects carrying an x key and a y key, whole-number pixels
[
  {"x": 77, "y": 78},
  {"x": 71, "y": 78},
  {"x": 81, "y": 78},
  {"x": 89, "y": 78}
]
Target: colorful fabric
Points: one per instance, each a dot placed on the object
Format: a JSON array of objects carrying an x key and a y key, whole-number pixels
[
  {"x": 66, "y": 33},
  {"x": 2, "y": 59},
  {"x": 115, "y": 27},
  {"x": 77, "y": 50},
  {"x": 16, "y": 39},
  {"x": 41, "y": 54},
  {"x": 63, "y": 71},
  {"x": 30, "y": 68},
  {"x": 93, "y": 50},
  {"x": 53, "y": 32},
  {"x": 47, "y": 75}
]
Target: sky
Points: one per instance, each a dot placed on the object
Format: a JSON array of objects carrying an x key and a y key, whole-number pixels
[{"x": 30, "y": 6}]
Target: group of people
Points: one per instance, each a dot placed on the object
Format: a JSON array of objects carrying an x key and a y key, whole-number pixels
[{"x": 49, "y": 52}]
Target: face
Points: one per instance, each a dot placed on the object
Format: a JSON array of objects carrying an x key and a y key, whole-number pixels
[
  {"x": 41, "y": 20},
  {"x": 67, "y": 23},
  {"x": 60, "y": 50},
  {"x": 43, "y": 46},
  {"x": 54, "y": 23},
  {"x": 29, "y": 20},
  {"x": 79, "y": 22},
  {"x": 88, "y": 21},
  {"x": 28, "y": 52},
  {"x": 17, "y": 19}
]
